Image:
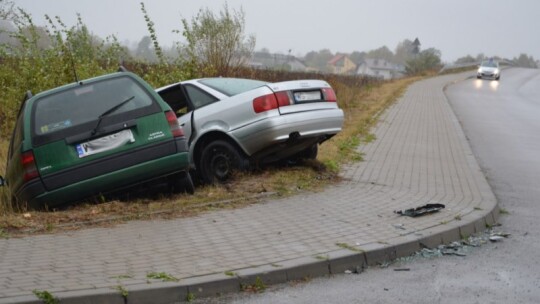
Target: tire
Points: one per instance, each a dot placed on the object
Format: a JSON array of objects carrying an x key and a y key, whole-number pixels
[
  {"x": 219, "y": 160},
  {"x": 309, "y": 153},
  {"x": 182, "y": 183}
]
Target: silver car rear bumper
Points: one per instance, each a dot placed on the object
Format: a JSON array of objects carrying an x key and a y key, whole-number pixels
[{"x": 293, "y": 126}]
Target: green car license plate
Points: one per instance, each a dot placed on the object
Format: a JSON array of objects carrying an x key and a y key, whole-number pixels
[{"x": 105, "y": 143}]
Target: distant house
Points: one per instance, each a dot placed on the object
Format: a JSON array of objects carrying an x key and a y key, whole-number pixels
[
  {"x": 265, "y": 60},
  {"x": 380, "y": 68},
  {"x": 341, "y": 64}
]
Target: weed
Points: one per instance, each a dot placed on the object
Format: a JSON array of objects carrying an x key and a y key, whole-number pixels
[
  {"x": 230, "y": 273},
  {"x": 349, "y": 247},
  {"x": 123, "y": 291},
  {"x": 257, "y": 286},
  {"x": 503, "y": 211},
  {"x": 276, "y": 265},
  {"x": 3, "y": 234},
  {"x": 369, "y": 138},
  {"x": 478, "y": 208},
  {"x": 49, "y": 227},
  {"x": 457, "y": 217},
  {"x": 122, "y": 277},
  {"x": 357, "y": 156},
  {"x": 332, "y": 165},
  {"x": 165, "y": 277},
  {"x": 46, "y": 297},
  {"x": 322, "y": 257},
  {"x": 444, "y": 222},
  {"x": 190, "y": 297}
]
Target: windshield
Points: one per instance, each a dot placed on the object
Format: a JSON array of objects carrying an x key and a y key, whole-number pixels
[
  {"x": 232, "y": 86},
  {"x": 85, "y": 103},
  {"x": 489, "y": 64}
]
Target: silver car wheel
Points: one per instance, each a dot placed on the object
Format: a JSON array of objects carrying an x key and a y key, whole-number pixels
[{"x": 219, "y": 160}]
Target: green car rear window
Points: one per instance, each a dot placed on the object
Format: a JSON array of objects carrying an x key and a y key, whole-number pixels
[
  {"x": 232, "y": 86},
  {"x": 85, "y": 103}
]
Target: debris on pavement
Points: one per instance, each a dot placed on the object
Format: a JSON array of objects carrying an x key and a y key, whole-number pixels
[
  {"x": 498, "y": 236},
  {"x": 402, "y": 269},
  {"x": 458, "y": 248},
  {"x": 356, "y": 270},
  {"x": 399, "y": 226},
  {"x": 422, "y": 210}
]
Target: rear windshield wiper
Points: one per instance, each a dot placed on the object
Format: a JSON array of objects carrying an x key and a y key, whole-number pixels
[{"x": 109, "y": 111}]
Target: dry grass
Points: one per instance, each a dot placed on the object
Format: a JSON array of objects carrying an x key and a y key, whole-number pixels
[{"x": 362, "y": 107}]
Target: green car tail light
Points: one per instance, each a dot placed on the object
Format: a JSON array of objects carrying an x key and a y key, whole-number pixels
[{"x": 29, "y": 166}]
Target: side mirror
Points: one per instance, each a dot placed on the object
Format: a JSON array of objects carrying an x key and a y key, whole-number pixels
[{"x": 2, "y": 181}]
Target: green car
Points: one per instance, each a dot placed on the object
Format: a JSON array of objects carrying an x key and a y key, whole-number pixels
[{"x": 92, "y": 137}]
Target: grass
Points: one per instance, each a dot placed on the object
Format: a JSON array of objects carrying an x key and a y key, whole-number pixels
[
  {"x": 362, "y": 106},
  {"x": 46, "y": 297},
  {"x": 164, "y": 277},
  {"x": 257, "y": 287},
  {"x": 349, "y": 247},
  {"x": 122, "y": 290}
]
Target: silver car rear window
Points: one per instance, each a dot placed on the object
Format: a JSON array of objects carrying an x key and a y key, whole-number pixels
[{"x": 232, "y": 86}]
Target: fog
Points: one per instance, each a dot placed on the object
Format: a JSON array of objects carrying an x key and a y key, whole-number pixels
[{"x": 457, "y": 28}]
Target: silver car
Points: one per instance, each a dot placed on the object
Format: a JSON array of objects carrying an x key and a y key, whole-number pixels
[
  {"x": 236, "y": 123},
  {"x": 489, "y": 69}
]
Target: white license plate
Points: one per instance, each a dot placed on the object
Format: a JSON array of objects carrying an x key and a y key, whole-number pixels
[
  {"x": 105, "y": 143},
  {"x": 307, "y": 96}
]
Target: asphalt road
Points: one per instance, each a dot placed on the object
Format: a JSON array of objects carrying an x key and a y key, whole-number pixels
[{"x": 501, "y": 121}]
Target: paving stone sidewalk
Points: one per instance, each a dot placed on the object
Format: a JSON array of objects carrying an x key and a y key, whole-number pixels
[{"x": 420, "y": 156}]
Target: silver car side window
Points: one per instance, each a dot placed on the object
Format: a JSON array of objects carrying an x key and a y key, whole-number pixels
[{"x": 198, "y": 97}]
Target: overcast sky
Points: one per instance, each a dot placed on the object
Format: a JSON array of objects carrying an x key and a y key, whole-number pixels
[{"x": 455, "y": 27}]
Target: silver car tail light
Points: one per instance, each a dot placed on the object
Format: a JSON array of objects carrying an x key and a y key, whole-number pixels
[
  {"x": 175, "y": 127},
  {"x": 283, "y": 98},
  {"x": 271, "y": 101},
  {"x": 329, "y": 94}
]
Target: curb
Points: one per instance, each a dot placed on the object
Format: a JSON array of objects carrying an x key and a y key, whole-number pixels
[{"x": 338, "y": 262}]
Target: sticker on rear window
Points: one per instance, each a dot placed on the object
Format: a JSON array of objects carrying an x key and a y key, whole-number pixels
[{"x": 55, "y": 126}]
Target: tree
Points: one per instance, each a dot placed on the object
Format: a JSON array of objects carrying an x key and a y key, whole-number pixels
[
  {"x": 525, "y": 61},
  {"x": 404, "y": 51},
  {"x": 426, "y": 60},
  {"x": 6, "y": 9},
  {"x": 318, "y": 60},
  {"x": 144, "y": 50},
  {"x": 381, "y": 53},
  {"x": 357, "y": 57},
  {"x": 466, "y": 59},
  {"x": 216, "y": 42}
]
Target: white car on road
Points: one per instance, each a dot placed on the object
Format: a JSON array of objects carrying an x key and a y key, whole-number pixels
[{"x": 489, "y": 69}]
